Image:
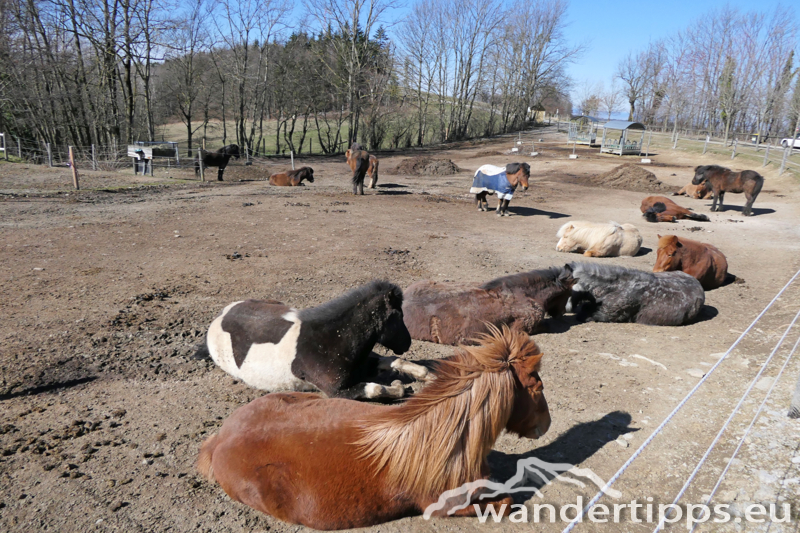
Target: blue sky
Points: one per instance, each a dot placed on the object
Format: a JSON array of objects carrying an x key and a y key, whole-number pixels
[{"x": 614, "y": 28}]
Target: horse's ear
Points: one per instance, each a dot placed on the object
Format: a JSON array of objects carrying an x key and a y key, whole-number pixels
[
  {"x": 526, "y": 373},
  {"x": 678, "y": 243}
]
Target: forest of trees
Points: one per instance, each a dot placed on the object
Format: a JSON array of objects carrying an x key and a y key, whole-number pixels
[
  {"x": 729, "y": 71},
  {"x": 109, "y": 72}
]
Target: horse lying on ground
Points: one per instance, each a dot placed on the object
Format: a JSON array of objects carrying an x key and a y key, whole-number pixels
[
  {"x": 490, "y": 179},
  {"x": 454, "y": 313},
  {"x": 698, "y": 192},
  {"x": 607, "y": 293},
  {"x": 724, "y": 180},
  {"x": 702, "y": 261},
  {"x": 599, "y": 240},
  {"x": 218, "y": 159},
  {"x": 662, "y": 209},
  {"x": 336, "y": 464},
  {"x": 292, "y": 178},
  {"x": 360, "y": 162},
  {"x": 273, "y": 347}
]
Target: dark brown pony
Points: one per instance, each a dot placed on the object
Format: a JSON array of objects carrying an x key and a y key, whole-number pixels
[
  {"x": 724, "y": 180},
  {"x": 336, "y": 464},
  {"x": 359, "y": 161},
  {"x": 454, "y": 313},
  {"x": 292, "y": 178},
  {"x": 662, "y": 209},
  {"x": 702, "y": 261}
]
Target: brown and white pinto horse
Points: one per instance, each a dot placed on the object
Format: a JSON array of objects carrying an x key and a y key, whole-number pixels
[
  {"x": 724, "y": 180},
  {"x": 662, "y": 209},
  {"x": 702, "y": 261},
  {"x": 455, "y": 313},
  {"x": 360, "y": 163},
  {"x": 292, "y": 178},
  {"x": 336, "y": 464}
]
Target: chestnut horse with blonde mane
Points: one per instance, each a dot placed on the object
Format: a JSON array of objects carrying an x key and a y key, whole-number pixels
[{"x": 336, "y": 464}]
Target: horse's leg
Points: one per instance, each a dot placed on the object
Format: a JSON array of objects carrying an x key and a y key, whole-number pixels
[
  {"x": 721, "y": 200},
  {"x": 499, "y": 210},
  {"x": 479, "y": 199},
  {"x": 414, "y": 370},
  {"x": 372, "y": 391},
  {"x": 505, "y": 208}
]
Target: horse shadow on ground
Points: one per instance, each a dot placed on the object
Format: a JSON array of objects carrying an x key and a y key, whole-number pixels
[
  {"x": 757, "y": 211},
  {"x": 707, "y": 312},
  {"x": 573, "y": 447},
  {"x": 731, "y": 279},
  {"x": 392, "y": 193},
  {"x": 47, "y": 388},
  {"x": 392, "y": 186},
  {"x": 644, "y": 250},
  {"x": 560, "y": 324},
  {"x": 522, "y": 211}
]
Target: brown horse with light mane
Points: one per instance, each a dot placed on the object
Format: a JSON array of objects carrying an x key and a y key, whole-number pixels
[
  {"x": 698, "y": 192},
  {"x": 292, "y": 178},
  {"x": 336, "y": 464},
  {"x": 361, "y": 162},
  {"x": 454, "y": 313},
  {"x": 662, "y": 209},
  {"x": 702, "y": 261}
]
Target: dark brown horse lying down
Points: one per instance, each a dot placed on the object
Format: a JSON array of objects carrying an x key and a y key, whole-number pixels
[
  {"x": 722, "y": 180},
  {"x": 454, "y": 313},
  {"x": 292, "y": 178},
  {"x": 336, "y": 464},
  {"x": 662, "y": 209},
  {"x": 700, "y": 260},
  {"x": 608, "y": 293}
]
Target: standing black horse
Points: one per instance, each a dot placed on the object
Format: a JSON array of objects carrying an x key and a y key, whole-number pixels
[
  {"x": 273, "y": 347},
  {"x": 217, "y": 159}
]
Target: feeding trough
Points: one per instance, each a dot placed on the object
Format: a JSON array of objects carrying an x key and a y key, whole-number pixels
[{"x": 617, "y": 138}]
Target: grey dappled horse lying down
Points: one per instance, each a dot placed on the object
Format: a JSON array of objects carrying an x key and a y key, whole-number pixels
[
  {"x": 608, "y": 293},
  {"x": 273, "y": 347}
]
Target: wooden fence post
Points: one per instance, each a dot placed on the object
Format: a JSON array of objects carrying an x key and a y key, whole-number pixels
[
  {"x": 675, "y": 144},
  {"x": 94, "y": 158},
  {"x": 19, "y": 148},
  {"x": 49, "y": 156},
  {"x": 74, "y": 170},
  {"x": 735, "y": 144},
  {"x": 177, "y": 155},
  {"x": 783, "y": 161},
  {"x": 705, "y": 146},
  {"x": 200, "y": 154},
  {"x": 5, "y": 147},
  {"x": 649, "y": 138},
  {"x": 766, "y": 155}
]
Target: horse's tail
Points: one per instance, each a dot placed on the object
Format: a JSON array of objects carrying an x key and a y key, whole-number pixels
[
  {"x": 360, "y": 171},
  {"x": 206, "y": 455},
  {"x": 697, "y": 216}
]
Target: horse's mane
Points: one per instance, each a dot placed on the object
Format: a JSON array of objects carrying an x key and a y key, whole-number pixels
[
  {"x": 714, "y": 168},
  {"x": 533, "y": 276},
  {"x": 335, "y": 308},
  {"x": 609, "y": 273},
  {"x": 439, "y": 438}
]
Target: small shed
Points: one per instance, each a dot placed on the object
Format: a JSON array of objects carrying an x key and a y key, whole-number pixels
[
  {"x": 143, "y": 153},
  {"x": 583, "y": 130},
  {"x": 619, "y": 137}
]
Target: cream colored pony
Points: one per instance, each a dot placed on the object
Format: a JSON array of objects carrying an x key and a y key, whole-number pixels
[{"x": 599, "y": 240}]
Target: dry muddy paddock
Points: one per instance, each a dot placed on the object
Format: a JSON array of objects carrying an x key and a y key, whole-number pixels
[{"x": 104, "y": 294}]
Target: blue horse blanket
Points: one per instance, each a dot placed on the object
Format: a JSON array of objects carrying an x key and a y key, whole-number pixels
[{"x": 492, "y": 179}]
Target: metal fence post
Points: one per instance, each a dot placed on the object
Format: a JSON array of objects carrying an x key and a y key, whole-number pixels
[
  {"x": 49, "y": 156},
  {"x": 783, "y": 161},
  {"x": 177, "y": 155},
  {"x": 735, "y": 143},
  {"x": 291, "y": 153},
  {"x": 766, "y": 155}
]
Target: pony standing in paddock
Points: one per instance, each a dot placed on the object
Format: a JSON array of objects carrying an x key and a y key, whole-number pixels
[
  {"x": 599, "y": 240},
  {"x": 273, "y": 347},
  {"x": 724, "y": 180},
  {"x": 698, "y": 192},
  {"x": 292, "y": 178},
  {"x": 360, "y": 163},
  {"x": 662, "y": 209},
  {"x": 218, "y": 159},
  {"x": 455, "y": 313},
  {"x": 700, "y": 260},
  {"x": 607, "y": 293},
  {"x": 336, "y": 464},
  {"x": 490, "y": 179}
]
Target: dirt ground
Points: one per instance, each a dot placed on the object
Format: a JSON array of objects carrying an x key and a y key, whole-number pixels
[{"x": 105, "y": 292}]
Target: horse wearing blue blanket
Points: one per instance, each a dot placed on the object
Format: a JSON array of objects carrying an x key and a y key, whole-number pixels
[{"x": 503, "y": 181}]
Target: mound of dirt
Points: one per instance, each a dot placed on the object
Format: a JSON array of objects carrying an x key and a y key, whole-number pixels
[
  {"x": 631, "y": 178},
  {"x": 419, "y": 166}
]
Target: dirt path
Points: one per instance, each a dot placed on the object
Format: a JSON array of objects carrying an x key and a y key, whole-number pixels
[{"x": 104, "y": 294}]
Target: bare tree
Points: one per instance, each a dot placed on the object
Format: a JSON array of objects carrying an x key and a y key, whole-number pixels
[{"x": 610, "y": 99}]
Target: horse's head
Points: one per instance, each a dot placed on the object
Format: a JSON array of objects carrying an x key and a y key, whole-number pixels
[
  {"x": 530, "y": 416},
  {"x": 565, "y": 242},
  {"x": 556, "y": 305},
  {"x": 668, "y": 257},
  {"x": 518, "y": 174},
  {"x": 699, "y": 175},
  {"x": 309, "y": 174},
  {"x": 394, "y": 334}
]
